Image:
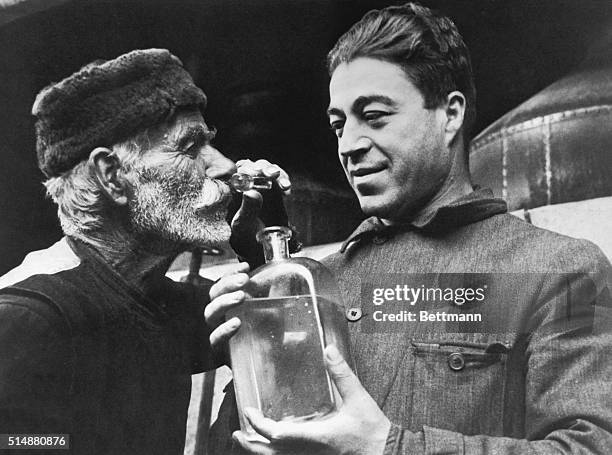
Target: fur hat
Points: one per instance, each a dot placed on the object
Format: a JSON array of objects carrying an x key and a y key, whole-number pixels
[{"x": 105, "y": 102}]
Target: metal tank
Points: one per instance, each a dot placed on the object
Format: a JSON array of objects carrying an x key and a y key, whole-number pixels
[{"x": 551, "y": 157}]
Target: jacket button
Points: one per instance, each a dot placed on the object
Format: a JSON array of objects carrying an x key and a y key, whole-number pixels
[
  {"x": 354, "y": 314},
  {"x": 456, "y": 361},
  {"x": 378, "y": 240}
]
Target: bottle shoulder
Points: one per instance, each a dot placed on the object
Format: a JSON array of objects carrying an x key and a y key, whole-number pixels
[
  {"x": 292, "y": 265},
  {"x": 292, "y": 276}
]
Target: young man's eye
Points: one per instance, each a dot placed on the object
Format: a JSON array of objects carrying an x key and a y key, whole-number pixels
[
  {"x": 372, "y": 116},
  {"x": 336, "y": 126}
]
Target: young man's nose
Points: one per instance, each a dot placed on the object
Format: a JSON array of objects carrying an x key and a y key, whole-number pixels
[
  {"x": 218, "y": 165},
  {"x": 353, "y": 143}
]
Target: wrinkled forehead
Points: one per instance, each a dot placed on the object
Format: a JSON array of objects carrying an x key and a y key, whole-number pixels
[{"x": 184, "y": 122}]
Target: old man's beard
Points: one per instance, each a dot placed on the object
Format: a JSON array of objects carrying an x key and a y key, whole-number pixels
[{"x": 179, "y": 207}]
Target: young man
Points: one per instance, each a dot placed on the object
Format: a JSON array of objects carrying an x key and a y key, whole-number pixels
[
  {"x": 95, "y": 342},
  {"x": 525, "y": 368}
]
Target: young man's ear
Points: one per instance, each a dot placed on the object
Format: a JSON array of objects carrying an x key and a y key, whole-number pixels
[
  {"x": 455, "y": 114},
  {"x": 105, "y": 165}
]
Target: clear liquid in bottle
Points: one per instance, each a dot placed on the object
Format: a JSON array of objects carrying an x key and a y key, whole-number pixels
[{"x": 277, "y": 354}]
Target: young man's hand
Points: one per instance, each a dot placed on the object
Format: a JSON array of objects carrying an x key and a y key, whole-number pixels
[{"x": 359, "y": 427}]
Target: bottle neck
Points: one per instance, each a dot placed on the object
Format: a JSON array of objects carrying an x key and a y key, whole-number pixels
[{"x": 275, "y": 243}]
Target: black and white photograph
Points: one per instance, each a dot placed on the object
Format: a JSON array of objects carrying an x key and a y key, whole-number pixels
[{"x": 294, "y": 227}]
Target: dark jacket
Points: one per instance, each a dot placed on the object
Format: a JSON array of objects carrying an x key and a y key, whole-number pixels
[
  {"x": 532, "y": 376},
  {"x": 83, "y": 353}
]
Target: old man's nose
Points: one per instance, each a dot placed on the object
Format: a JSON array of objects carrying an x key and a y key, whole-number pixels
[{"x": 218, "y": 165}]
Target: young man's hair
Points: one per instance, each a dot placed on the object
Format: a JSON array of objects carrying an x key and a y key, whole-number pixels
[{"x": 426, "y": 45}]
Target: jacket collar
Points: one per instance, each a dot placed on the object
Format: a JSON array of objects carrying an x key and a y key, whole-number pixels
[{"x": 476, "y": 206}]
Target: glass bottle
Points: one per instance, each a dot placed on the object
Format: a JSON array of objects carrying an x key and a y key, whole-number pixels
[{"x": 293, "y": 310}]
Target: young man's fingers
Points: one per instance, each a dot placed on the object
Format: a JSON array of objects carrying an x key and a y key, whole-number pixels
[
  {"x": 282, "y": 433},
  {"x": 251, "y": 446},
  {"x": 264, "y": 426},
  {"x": 347, "y": 383}
]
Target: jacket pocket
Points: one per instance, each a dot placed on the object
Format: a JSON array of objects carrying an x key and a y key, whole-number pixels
[{"x": 459, "y": 385}]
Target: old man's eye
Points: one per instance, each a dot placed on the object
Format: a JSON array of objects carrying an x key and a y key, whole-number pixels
[{"x": 190, "y": 147}]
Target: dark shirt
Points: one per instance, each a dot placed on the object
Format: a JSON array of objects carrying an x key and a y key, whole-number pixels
[{"x": 84, "y": 353}]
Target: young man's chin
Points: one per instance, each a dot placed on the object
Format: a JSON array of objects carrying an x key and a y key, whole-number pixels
[
  {"x": 388, "y": 212},
  {"x": 375, "y": 205}
]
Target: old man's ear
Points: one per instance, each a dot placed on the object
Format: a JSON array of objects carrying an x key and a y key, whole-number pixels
[
  {"x": 105, "y": 166},
  {"x": 455, "y": 115}
]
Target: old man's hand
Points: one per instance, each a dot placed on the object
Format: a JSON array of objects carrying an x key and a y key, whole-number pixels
[
  {"x": 257, "y": 211},
  {"x": 225, "y": 294},
  {"x": 359, "y": 427}
]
